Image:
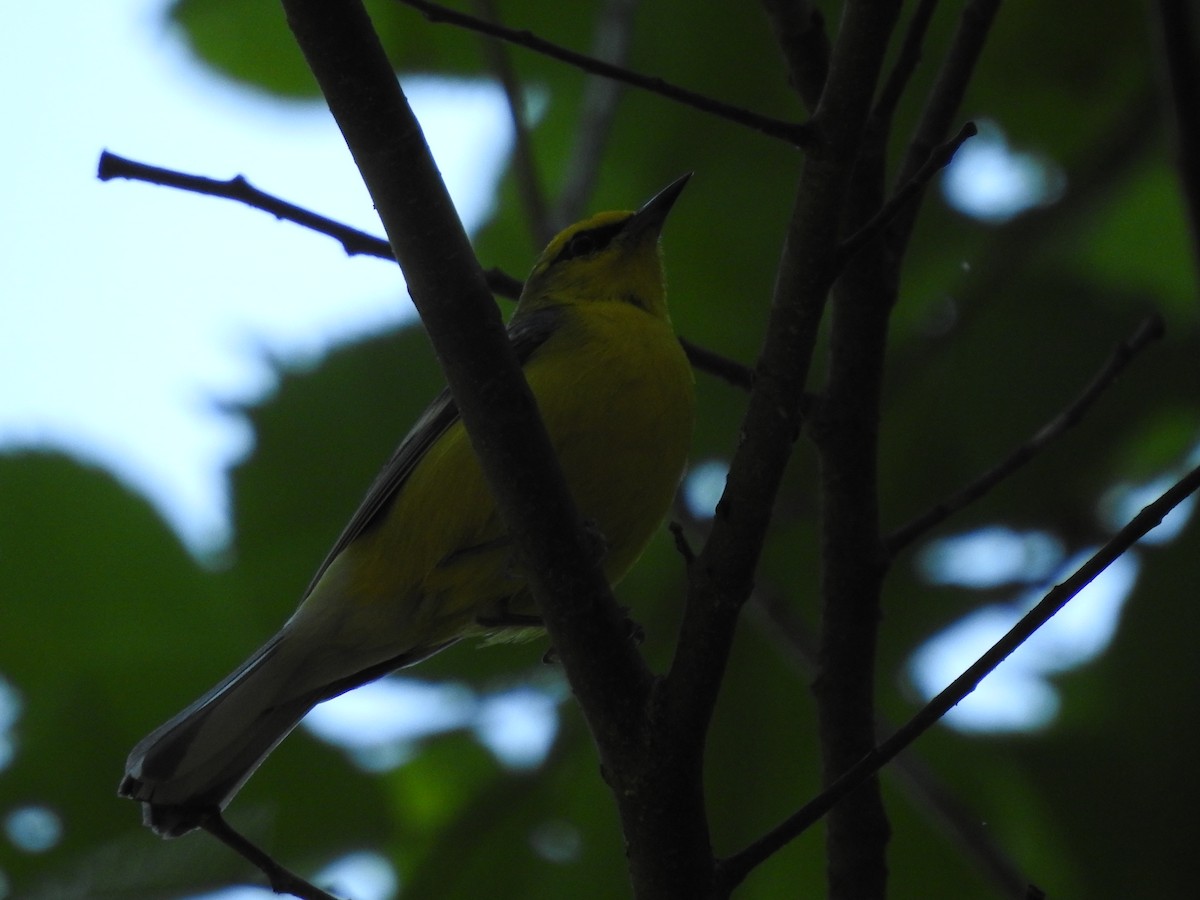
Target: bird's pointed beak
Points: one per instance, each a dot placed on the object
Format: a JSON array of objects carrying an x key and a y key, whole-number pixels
[{"x": 650, "y": 218}]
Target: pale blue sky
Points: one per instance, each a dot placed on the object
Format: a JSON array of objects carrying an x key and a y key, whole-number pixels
[{"x": 130, "y": 311}]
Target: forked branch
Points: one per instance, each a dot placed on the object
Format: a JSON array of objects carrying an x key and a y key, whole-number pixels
[
  {"x": 735, "y": 868},
  {"x": 357, "y": 242}
]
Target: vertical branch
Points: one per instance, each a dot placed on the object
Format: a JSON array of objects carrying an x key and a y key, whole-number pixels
[
  {"x": 800, "y": 32},
  {"x": 942, "y": 105},
  {"x": 610, "y": 43},
  {"x": 852, "y": 563},
  {"x": 528, "y": 185},
  {"x": 853, "y": 558},
  {"x": 1179, "y": 32},
  {"x": 722, "y": 573}
]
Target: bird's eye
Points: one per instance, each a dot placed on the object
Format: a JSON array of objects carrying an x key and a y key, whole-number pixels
[{"x": 581, "y": 244}]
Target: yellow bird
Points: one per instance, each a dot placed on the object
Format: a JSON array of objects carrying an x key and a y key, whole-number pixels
[{"x": 424, "y": 561}]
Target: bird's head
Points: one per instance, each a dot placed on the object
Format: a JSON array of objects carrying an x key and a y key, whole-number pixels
[{"x": 613, "y": 256}]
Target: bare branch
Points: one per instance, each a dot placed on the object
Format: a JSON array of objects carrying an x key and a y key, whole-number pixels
[
  {"x": 282, "y": 880},
  {"x": 354, "y": 242},
  {"x": 597, "y": 108},
  {"x": 905, "y": 65},
  {"x": 942, "y": 105},
  {"x": 799, "y": 29},
  {"x": 722, "y": 577},
  {"x": 586, "y": 627},
  {"x": 1150, "y": 330},
  {"x": 926, "y": 791},
  {"x": 1179, "y": 32},
  {"x": 735, "y": 868},
  {"x": 358, "y": 242},
  {"x": 737, "y": 374},
  {"x": 797, "y": 134},
  {"x": 528, "y": 183},
  {"x": 938, "y": 159}
]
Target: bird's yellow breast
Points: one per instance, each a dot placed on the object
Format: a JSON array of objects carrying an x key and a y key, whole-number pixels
[
  {"x": 620, "y": 418},
  {"x": 615, "y": 391}
]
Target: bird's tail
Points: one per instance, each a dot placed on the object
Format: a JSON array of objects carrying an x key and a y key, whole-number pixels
[{"x": 190, "y": 766}]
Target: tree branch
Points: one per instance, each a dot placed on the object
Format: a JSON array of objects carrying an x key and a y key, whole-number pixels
[
  {"x": 598, "y": 107},
  {"x": 358, "y": 242},
  {"x": 735, "y": 868},
  {"x": 353, "y": 241},
  {"x": 938, "y": 159},
  {"x": 905, "y": 65},
  {"x": 586, "y": 627},
  {"x": 721, "y": 577},
  {"x": 730, "y": 370},
  {"x": 528, "y": 184},
  {"x": 282, "y": 880},
  {"x": 799, "y": 29},
  {"x": 780, "y": 624},
  {"x": 796, "y": 133},
  {"x": 1179, "y": 32},
  {"x": 942, "y": 105},
  {"x": 853, "y": 561},
  {"x": 1150, "y": 330}
]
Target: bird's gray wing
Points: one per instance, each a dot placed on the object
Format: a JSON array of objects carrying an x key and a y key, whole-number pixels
[{"x": 526, "y": 334}]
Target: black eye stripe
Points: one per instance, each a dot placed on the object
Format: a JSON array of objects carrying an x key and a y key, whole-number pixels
[{"x": 589, "y": 241}]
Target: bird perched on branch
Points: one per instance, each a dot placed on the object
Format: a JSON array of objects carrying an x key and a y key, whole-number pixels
[{"x": 425, "y": 561}]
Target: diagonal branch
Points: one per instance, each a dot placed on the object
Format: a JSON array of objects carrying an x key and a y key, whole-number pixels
[
  {"x": 729, "y": 370},
  {"x": 905, "y": 65},
  {"x": 735, "y": 868},
  {"x": 353, "y": 241},
  {"x": 938, "y": 159},
  {"x": 605, "y": 670},
  {"x": 281, "y": 879},
  {"x": 1150, "y": 330},
  {"x": 357, "y": 242},
  {"x": 796, "y": 133},
  {"x": 597, "y": 109},
  {"x": 525, "y": 166},
  {"x": 926, "y": 791},
  {"x": 942, "y": 105}
]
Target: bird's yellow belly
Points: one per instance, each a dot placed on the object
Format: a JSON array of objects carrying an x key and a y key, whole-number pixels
[{"x": 615, "y": 391}]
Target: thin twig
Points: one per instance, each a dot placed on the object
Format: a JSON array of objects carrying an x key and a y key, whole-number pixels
[
  {"x": 926, "y": 791},
  {"x": 798, "y": 134},
  {"x": 354, "y": 242},
  {"x": 597, "y": 108},
  {"x": 282, "y": 880},
  {"x": 681, "y": 542},
  {"x": 502, "y": 284},
  {"x": 1150, "y": 330},
  {"x": 945, "y": 97},
  {"x": 938, "y": 159},
  {"x": 735, "y": 373},
  {"x": 906, "y": 63},
  {"x": 525, "y": 168},
  {"x": 358, "y": 242},
  {"x": 735, "y": 868},
  {"x": 1179, "y": 30}
]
